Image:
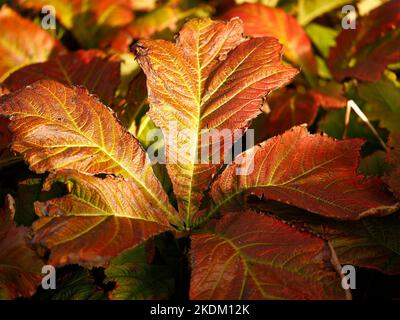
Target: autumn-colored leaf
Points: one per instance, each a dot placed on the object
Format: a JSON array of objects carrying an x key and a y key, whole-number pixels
[
  {"x": 22, "y": 42},
  {"x": 393, "y": 159},
  {"x": 364, "y": 52},
  {"x": 97, "y": 220},
  {"x": 191, "y": 87},
  {"x": 20, "y": 268},
  {"x": 249, "y": 256},
  {"x": 368, "y": 243},
  {"x": 263, "y": 21},
  {"x": 93, "y": 69},
  {"x": 288, "y": 109},
  {"x": 57, "y": 127},
  {"x": 89, "y": 20},
  {"x": 313, "y": 172}
]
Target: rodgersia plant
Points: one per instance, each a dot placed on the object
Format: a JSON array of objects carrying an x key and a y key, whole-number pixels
[{"x": 273, "y": 231}]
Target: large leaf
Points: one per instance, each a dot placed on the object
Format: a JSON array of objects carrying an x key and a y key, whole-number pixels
[
  {"x": 98, "y": 219},
  {"x": 263, "y": 21},
  {"x": 93, "y": 69},
  {"x": 57, "y": 127},
  {"x": 190, "y": 88},
  {"x": 365, "y": 52},
  {"x": 249, "y": 256},
  {"x": 383, "y": 99},
  {"x": 89, "y": 20},
  {"x": 313, "y": 172},
  {"x": 135, "y": 278},
  {"x": 393, "y": 159},
  {"x": 310, "y": 9},
  {"x": 368, "y": 243},
  {"x": 20, "y": 268},
  {"x": 22, "y": 42}
]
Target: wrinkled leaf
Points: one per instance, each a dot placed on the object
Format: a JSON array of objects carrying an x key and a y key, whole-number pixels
[
  {"x": 250, "y": 256},
  {"x": 191, "y": 89},
  {"x": 313, "y": 172},
  {"x": 97, "y": 220},
  {"x": 57, "y": 127},
  {"x": 93, "y": 69},
  {"x": 262, "y": 21}
]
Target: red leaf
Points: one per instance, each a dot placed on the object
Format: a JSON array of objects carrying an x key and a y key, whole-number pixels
[
  {"x": 250, "y": 256},
  {"x": 364, "y": 52},
  {"x": 22, "y": 42},
  {"x": 20, "y": 268},
  {"x": 313, "y": 172},
  {"x": 99, "y": 219},
  {"x": 93, "y": 69},
  {"x": 288, "y": 109},
  {"x": 210, "y": 79},
  {"x": 262, "y": 21}
]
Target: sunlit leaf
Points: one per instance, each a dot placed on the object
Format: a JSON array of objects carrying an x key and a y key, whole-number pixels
[
  {"x": 97, "y": 220},
  {"x": 22, "y": 42},
  {"x": 192, "y": 89},
  {"x": 262, "y": 21},
  {"x": 57, "y": 127},
  {"x": 93, "y": 69},
  {"x": 313, "y": 172},
  {"x": 250, "y": 256}
]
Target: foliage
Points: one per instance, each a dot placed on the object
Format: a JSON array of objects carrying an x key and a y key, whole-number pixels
[{"x": 82, "y": 190}]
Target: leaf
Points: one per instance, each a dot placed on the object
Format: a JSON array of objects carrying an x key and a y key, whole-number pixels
[
  {"x": 76, "y": 285},
  {"x": 136, "y": 103},
  {"x": 93, "y": 69},
  {"x": 57, "y": 127},
  {"x": 22, "y": 42},
  {"x": 313, "y": 172},
  {"x": 330, "y": 95},
  {"x": 250, "y": 256},
  {"x": 288, "y": 109},
  {"x": 374, "y": 164},
  {"x": 136, "y": 279},
  {"x": 383, "y": 99},
  {"x": 311, "y": 9},
  {"x": 89, "y": 20},
  {"x": 364, "y": 52},
  {"x": 96, "y": 221},
  {"x": 190, "y": 88},
  {"x": 322, "y": 37},
  {"x": 262, "y": 21},
  {"x": 166, "y": 17},
  {"x": 20, "y": 268},
  {"x": 367, "y": 243},
  {"x": 393, "y": 159}
]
